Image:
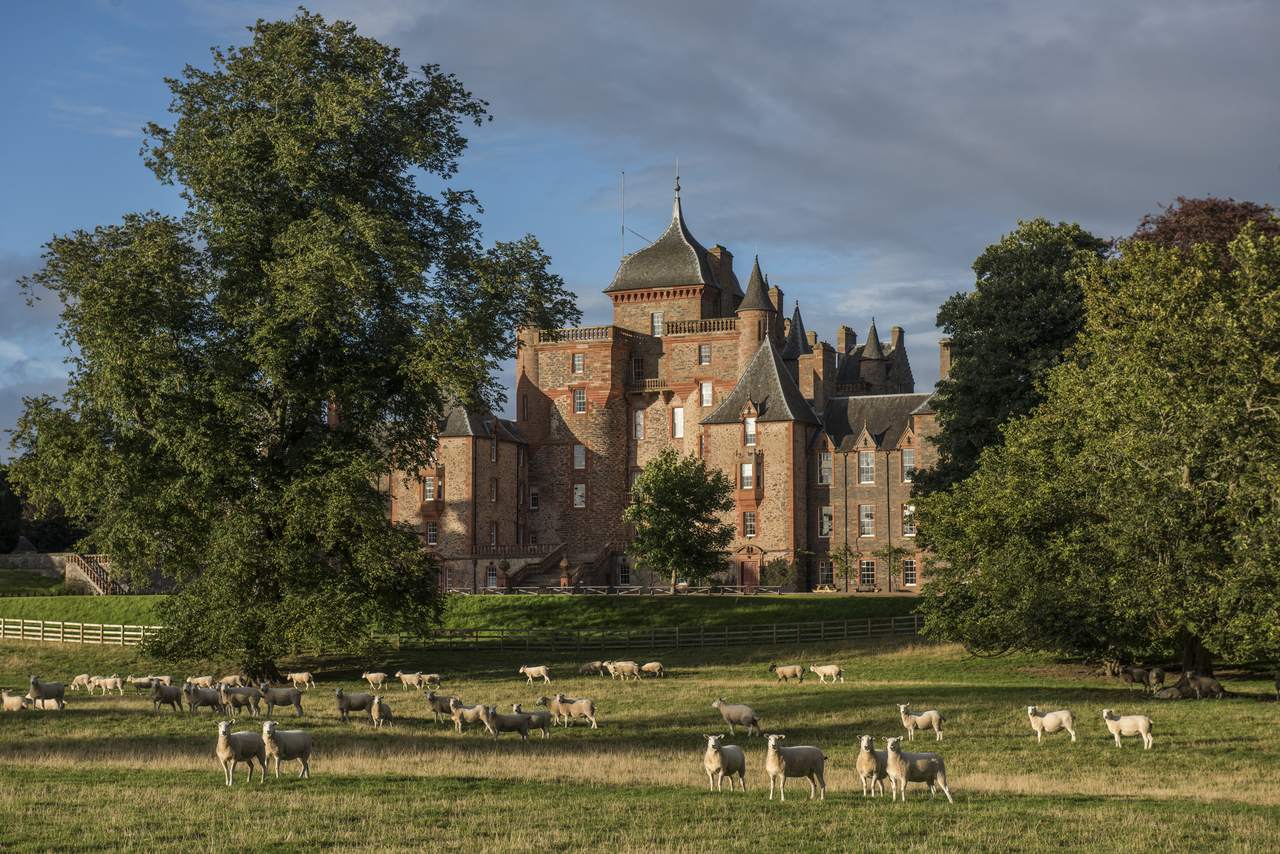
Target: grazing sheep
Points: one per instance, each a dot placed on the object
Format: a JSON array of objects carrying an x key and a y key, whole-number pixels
[
  {"x": 410, "y": 680},
  {"x": 1155, "y": 679},
  {"x": 870, "y": 765},
  {"x": 13, "y": 702},
  {"x": 380, "y": 712},
  {"x": 1128, "y": 725},
  {"x": 737, "y": 713},
  {"x": 783, "y": 762},
  {"x": 287, "y": 744},
  {"x": 303, "y": 680},
  {"x": 235, "y": 681},
  {"x": 107, "y": 684},
  {"x": 466, "y": 715},
  {"x": 166, "y": 695},
  {"x": 236, "y": 747},
  {"x": 281, "y": 697},
  {"x": 787, "y": 672},
  {"x": 1133, "y": 676},
  {"x": 439, "y": 705},
  {"x": 932, "y": 719},
  {"x": 141, "y": 684},
  {"x": 236, "y": 698},
  {"x": 592, "y": 668},
  {"x": 531, "y": 672},
  {"x": 81, "y": 681},
  {"x": 198, "y": 697},
  {"x": 623, "y": 670},
  {"x": 903, "y": 768},
  {"x": 567, "y": 708},
  {"x": 1201, "y": 686},
  {"x": 1051, "y": 722},
  {"x": 654, "y": 668},
  {"x": 498, "y": 723},
  {"x": 202, "y": 681},
  {"x": 347, "y": 703},
  {"x": 723, "y": 760},
  {"x": 825, "y": 670},
  {"x": 537, "y": 719},
  {"x": 375, "y": 680},
  {"x": 41, "y": 692}
]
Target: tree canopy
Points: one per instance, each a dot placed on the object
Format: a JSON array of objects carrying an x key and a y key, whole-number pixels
[
  {"x": 243, "y": 374},
  {"x": 1188, "y": 222}
]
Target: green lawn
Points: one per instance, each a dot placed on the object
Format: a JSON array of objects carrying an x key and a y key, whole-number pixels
[
  {"x": 129, "y": 610},
  {"x": 635, "y": 784},
  {"x": 21, "y": 583}
]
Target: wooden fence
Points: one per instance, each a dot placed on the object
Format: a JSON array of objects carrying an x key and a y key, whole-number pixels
[{"x": 59, "y": 632}]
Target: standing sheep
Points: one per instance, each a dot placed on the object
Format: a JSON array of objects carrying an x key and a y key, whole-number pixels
[
  {"x": 932, "y": 719},
  {"x": 783, "y": 762},
  {"x": 375, "y": 679},
  {"x": 654, "y": 668},
  {"x": 825, "y": 670},
  {"x": 303, "y": 680},
  {"x": 498, "y": 723},
  {"x": 42, "y": 692},
  {"x": 198, "y": 697},
  {"x": 409, "y": 680},
  {"x": 537, "y": 719},
  {"x": 623, "y": 670},
  {"x": 202, "y": 681},
  {"x": 236, "y": 698},
  {"x": 359, "y": 702},
  {"x": 592, "y": 668},
  {"x": 236, "y": 747},
  {"x": 737, "y": 713},
  {"x": 13, "y": 702},
  {"x": 532, "y": 672},
  {"x": 903, "y": 768},
  {"x": 1051, "y": 722},
  {"x": 380, "y": 713},
  {"x": 81, "y": 681},
  {"x": 287, "y": 744},
  {"x": 568, "y": 708},
  {"x": 107, "y": 684},
  {"x": 235, "y": 680},
  {"x": 787, "y": 672},
  {"x": 431, "y": 680},
  {"x": 1128, "y": 725},
  {"x": 166, "y": 695},
  {"x": 1132, "y": 676},
  {"x": 141, "y": 684},
  {"x": 281, "y": 697},
  {"x": 467, "y": 714},
  {"x": 439, "y": 705},
  {"x": 723, "y": 760},
  {"x": 870, "y": 765}
]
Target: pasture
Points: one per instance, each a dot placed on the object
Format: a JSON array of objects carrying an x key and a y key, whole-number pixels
[{"x": 107, "y": 771}]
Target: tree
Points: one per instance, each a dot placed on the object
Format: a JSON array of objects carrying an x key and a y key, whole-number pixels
[
  {"x": 1133, "y": 513},
  {"x": 892, "y": 557},
  {"x": 1006, "y": 335},
  {"x": 242, "y": 375},
  {"x": 844, "y": 561},
  {"x": 1188, "y": 222},
  {"x": 676, "y": 506}
]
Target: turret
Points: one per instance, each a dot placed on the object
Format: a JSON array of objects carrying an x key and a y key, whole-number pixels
[
  {"x": 873, "y": 364},
  {"x": 756, "y": 315}
]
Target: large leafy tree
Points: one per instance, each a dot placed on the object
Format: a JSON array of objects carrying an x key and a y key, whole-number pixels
[
  {"x": 1188, "y": 222},
  {"x": 676, "y": 508},
  {"x": 1135, "y": 511},
  {"x": 243, "y": 374},
  {"x": 1006, "y": 335}
]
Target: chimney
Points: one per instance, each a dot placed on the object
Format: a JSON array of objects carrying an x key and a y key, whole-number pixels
[
  {"x": 895, "y": 338},
  {"x": 944, "y": 358},
  {"x": 721, "y": 261},
  {"x": 846, "y": 340},
  {"x": 775, "y": 297}
]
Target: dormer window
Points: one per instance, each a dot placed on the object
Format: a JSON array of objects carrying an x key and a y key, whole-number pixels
[
  {"x": 908, "y": 465},
  {"x": 866, "y": 467},
  {"x": 749, "y": 430}
]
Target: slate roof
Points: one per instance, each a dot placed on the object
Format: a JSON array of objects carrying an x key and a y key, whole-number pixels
[
  {"x": 464, "y": 422},
  {"x": 768, "y": 384},
  {"x": 797, "y": 343},
  {"x": 872, "y": 349},
  {"x": 757, "y": 298},
  {"x": 884, "y": 415},
  {"x": 676, "y": 258}
]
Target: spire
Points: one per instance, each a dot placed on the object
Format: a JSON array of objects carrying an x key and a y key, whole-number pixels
[
  {"x": 757, "y": 298},
  {"x": 872, "y": 349},
  {"x": 677, "y": 215},
  {"x": 797, "y": 340}
]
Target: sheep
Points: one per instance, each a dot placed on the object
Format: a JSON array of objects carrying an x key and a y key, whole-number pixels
[
  {"x": 235, "y": 681},
  {"x": 1173, "y": 692},
  {"x": 532, "y": 672},
  {"x": 1201, "y": 686},
  {"x": 537, "y": 719},
  {"x": 870, "y": 765},
  {"x": 13, "y": 702},
  {"x": 932, "y": 719},
  {"x": 375, "y": 679},
  {"x": 202, "y": 681},
  {"x": 903, "y": 768},
  {"x": 380, "y": 712},
  {"x": 163, "y": 680},
  {"x": 287, "y": 744},
  {"x": 432, "y": 680},
  {"x": 236, "y": 747},
  {"x": 723, "y": 760},
  {"x": 140, "y": 683},
  {"x": 347, "y": 703},
  {"x": 439, "y": 705},
  {"x": 302, "y": 680},
  {"x": 466, "y": 714},
  {"x": 166, "y": 695},
  {"x": 786, "y": 672},
  {"x": 235, "y": 698},
  {"x": 1155, "y": 679},
  {"x": 592, "y": 668},
  {"x": 623, "y": 670},
  {"x": 1128, "y": 725},
  {"x": 198, "y": 697},
  {"x": 568, "y": 708},
  {"x": 81, "y": 681},
  {"x": 654, "y": 668},
  {"x": 281, "y": 697},
  {"x": 737, "y": 713},
  {"x": 107, "y": 684},
  {"x": 825, "y": 670},
  {"x": 783, "y": 762},
  {"x": 1051, "y": 722},
  {"x": 1133, "y": 676},
  {"x": 499, "y": 723},
  {"x": 41, "y": 692},
  {"x": 410, "y": 680}
]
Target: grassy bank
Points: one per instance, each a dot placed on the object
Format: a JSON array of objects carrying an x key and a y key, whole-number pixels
[
  {"x": 16, "y": 582},
  {"x": 635, "y": 784},
  {"x": 129, "y": 610}
]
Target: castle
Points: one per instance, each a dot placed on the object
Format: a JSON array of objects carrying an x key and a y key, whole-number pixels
[{"x": 821, "y": 442}]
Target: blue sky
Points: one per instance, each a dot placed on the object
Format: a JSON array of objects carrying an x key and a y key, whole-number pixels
[{"x": 867, "y": 151}]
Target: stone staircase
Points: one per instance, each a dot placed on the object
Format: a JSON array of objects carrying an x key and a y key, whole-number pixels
[{"x": 94, "y": 571}]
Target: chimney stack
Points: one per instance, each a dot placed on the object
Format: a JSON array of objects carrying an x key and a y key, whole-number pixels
[
  {"x": 944, "y": 358},
  {"x": 846, "y": 340},
  {"x": 895, "y": 338}
]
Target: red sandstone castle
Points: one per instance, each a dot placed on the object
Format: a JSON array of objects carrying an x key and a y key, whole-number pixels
[{"x": 821, "y": 442}]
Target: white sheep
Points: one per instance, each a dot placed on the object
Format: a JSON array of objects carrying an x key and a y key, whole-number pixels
[
  {"x": 163, "y": 680},
  {"x": 532, "y": 672},
  {"x": 498, "y": 723},
  {"x": 932, "y": 719},
  {"x": 235, "y": 680},
  {"x": 431, "y": 680},
  {"x": 623, "y": 670},
  {"x": 903, "y": 768},
  {"x": 870, "y": 766},
  {"x": 302, "y": 680},
  {"x": 439, "y": 705},
  {"x": 1128, "y": 725},
  {"x": 202, "y": 681},
  {"x": 375, "y": 679},
  {"x": 81, "y": 681},
  {"x": 198, "y": 697},
  {"x": 739, "y": 714},
  {"x": 41, "y": 692},
  {"x": 235, "y": 698},
  {"x": 783, "y": 762},
  {"x": 281, "y": 697},
  {"x": 287, "y": 744},
  {"x": 537, "y": 719},
  {"x": 467, "y": 714},
  {"x": 1051, "y": 722},
  {"x": 410, "y": 680},
  {"x": 825, "y": 670},
  {"x": 107, "y": 684},
  {"x": 13, "y": 702},
  {"x": 654, "y": 668},
  {"x": 140, "y": 683},
  {"x": 380, "y": 713},
  {"x": 358, "y": 702},
  {"x": 786, "y": 672},
  {"x": 569, "y": 708},
  {"x": 236, "y": 747},
  {"x": 166, "y": 695},
  {"x": 592, "y": 668},
  {"x": 723, "y": 760}
]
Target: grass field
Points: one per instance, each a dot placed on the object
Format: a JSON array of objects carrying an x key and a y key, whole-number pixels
[
  {"x": 128, "y": 610},
  {"x": 20, "y": 583},
  {"x": 107, "y": 771}
]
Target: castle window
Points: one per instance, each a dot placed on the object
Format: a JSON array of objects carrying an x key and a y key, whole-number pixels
[
  {"x": 579, "y": 362},
  {"x": 579, "y": 456},
  {"x": 433, "y": 533},
  {"x": 748, "y": 472},
  {"x": 909, "y": 578},
  {"x": 637, "y": 422},
  {"x": 655, "y": 324},
  {"x": 677, "y": 423},
  {"x": 491, "y": 577},
  {"x": 867, "y": 573},
  {"x": 908, "y": 465},
  {"x": 493, "y": 489},
  {"x": 749, "y": 431},
  {"x": 493, "y": 533},
  {"x": 866, "y": 520},
  {"x": 705, "y": 391},
  {"x": 826, "y": 573},
  {"x": 866, "y": 467},
  {"x": 493, "y": 450},
  {"x": 824, "y": 467},
  {"x": 624, "y": 574},
  {"x": 579, "y": 495},
  {"x": 579, "y": 400},
  {"x": 825, "y": 520},
  {"x": 748, "y": 524},
  {"x": 908, "y": 520},
  {"x": 637, "y": 369},
  {"x": 533, "y": 498},
  {"x": 428, "y": 488},
  {"x": 704, "y": 354}
]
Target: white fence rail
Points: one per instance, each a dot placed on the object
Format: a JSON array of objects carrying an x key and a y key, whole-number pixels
[{"x": 62, "y": 632}]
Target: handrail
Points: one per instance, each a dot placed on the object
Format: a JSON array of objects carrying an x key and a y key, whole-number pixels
[
  {"x": 580, "y": 333},
  {"x": 694, "y": 327}
]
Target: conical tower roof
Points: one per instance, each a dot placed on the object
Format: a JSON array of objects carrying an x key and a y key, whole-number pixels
[
  {"x": 872, "y": 349},
  {"x": 757, "y": 298},
  {"x": 797, "y": 339},
  {"x": 676, "y": 258}
]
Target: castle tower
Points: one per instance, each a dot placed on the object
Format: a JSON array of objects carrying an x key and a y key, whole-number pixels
[
  {"x": 756, "y": 316},
  {"x": 873, "y": 362}
]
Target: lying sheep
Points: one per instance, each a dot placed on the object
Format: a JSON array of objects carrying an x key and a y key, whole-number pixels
[
  {"x": 410, "y": 680},
  {"x": 359, "y": 702},
  {"x": 568, "y": 708},
  {"x": 654, "y": 668},
  {"x": 439, "y": 705},
  {"x": 107, "y": 684},
  {"x": 281, "y": 697},
  {"x": 1173, "y": 692},
  {"x": 375, "y": 680},
  {"x": 739, "y": 714},
  {"x": 723, "y": 760},
  {"x": 537, "y": 719},
  {"x": 903, "y": 768},
  {"x": 1051, "y": 722},
  {"x": 41, "y": 692},
  {"x": 236, "y": 698},
  {"x": 466, "y": 715},
  {"x": 825, "y": 670},
  {"x": 236, "y": 747},
  {"x": 302, "y": 680},
  {"x": 531, "y": 672},
  {"x": 787, "y": 672},
  {"x": 498, "y": 723},
  {"x": 1201, "y": 686},
  {"x": 1128, "y": 725},
  {"x": 81, "y": 681},
  {"x": 202, "y": 681},
  {"x": 166, "y": 695},
  {"x": 13, "y": 702},
  {"x": 870, "y": 765},
  {"x": 198, "y": 697},
  {"x": 1155, "y": 679},
  {"x": 380, "y": 712},
  {"x": 783, "y": 762},
  {"x": 932, "y": 719},
  {"x": 592, "y": 668},
  {"x": 287, "y": 744}
]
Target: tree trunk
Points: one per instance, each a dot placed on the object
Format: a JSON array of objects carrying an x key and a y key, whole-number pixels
[
  {"x": 262, "y": 671},
  {"x": 1195, "y": 658},
  {"x": 673, "y": 582}
]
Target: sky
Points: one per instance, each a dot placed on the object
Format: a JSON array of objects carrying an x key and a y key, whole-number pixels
[{"x": 868, "y": 152}]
